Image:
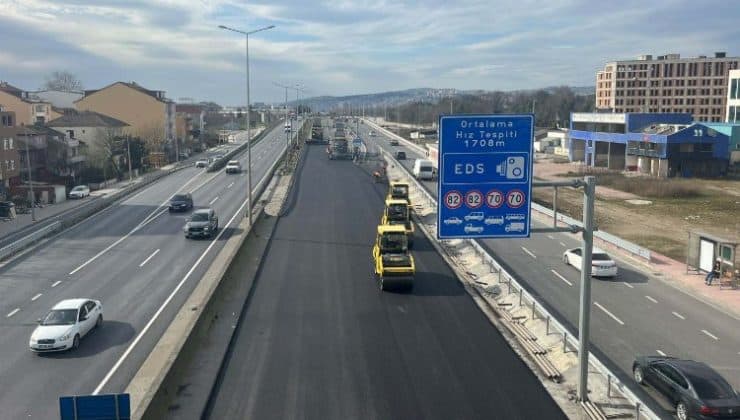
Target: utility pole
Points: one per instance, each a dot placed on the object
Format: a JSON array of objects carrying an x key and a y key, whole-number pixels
[
  {"x": 128, "y": 146},
  {"x": 584, "y": 316},
  {"x": 30, "y": 180}
]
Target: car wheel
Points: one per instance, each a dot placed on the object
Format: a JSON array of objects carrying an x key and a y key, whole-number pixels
[
  {"x": 682, "y": 412},
  {"x": 638, "y": 375},
  {"x": 76, "y": 341},
  {"x": 99, "y": 322}
]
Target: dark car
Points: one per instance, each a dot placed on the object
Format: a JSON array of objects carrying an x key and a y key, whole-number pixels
[
  {"x": 202, "y": 224},
  {"x": 181, "y": 202},
  {"x": 401, "y": 155},
  {"x": 393, "y": 142},
  {"x": 695, "y": 389}
]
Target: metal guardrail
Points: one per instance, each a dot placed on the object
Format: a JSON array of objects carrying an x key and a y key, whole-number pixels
[
  {"x": 605, "y": 236},
  {"x": 22, "y": 243},
  {"x": 506, "y": 277}
]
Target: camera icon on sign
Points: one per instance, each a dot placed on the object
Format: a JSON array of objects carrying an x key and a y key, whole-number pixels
[{"x": 511, "y": 168}]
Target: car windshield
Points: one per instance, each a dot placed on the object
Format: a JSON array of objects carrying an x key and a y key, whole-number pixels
[
  {"x": 393, "y": 241},
  {"x": 200, "y": 217},
  {"x": 180, "y": 197},
  {"x": 600, "y": 256},
  {"x": 78, "y": 188},
  {"x": 60, "y": 317},
  {"x": 713, "y": 387},
  {"x": 426, "y": 168}
]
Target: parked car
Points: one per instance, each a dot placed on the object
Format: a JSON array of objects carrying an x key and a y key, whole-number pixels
[
  {"x": 393, "y": 142},
  {"x": 65, "y": 324},
  {"x": 371, "y": 133},
  {"x": 696, "y": 390},
  {"x": 233, "y": 167},
  {"x": 203, "y": 223},
  {"x": 181, "y": 202},
  {"x": 602, "y": 264},
  {"x": 80, "y": 191},
  {"x": 401, "y": 155},
  {"x": 202, "y": 163}
]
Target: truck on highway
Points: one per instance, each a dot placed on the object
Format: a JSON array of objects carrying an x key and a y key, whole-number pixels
[
  {"x": 394, "y": 264},
  {"x": 338, "y": 148},
  {"x": 398, "y": 212},
  {"x": 398, "y": 190}
]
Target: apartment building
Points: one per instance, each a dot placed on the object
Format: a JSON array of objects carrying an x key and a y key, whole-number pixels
[
  {"x": 28, "y": 108},
  {"x": 9, "y": 157},
  {"x": 148, "y": 113},
  {"x": 733, "y": 97},
  {"x": 667, "y": 84}
]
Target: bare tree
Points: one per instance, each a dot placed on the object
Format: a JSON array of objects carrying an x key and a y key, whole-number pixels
[{"x": 64, "y": 81}]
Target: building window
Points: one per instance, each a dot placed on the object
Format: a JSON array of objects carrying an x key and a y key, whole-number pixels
[
  {"x": 12, "y": 164},
  {"x": 10, "y": 143},
  {"x": 735, "y": 89}
]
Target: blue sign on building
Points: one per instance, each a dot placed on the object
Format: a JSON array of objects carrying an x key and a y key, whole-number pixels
[
  {"x": 485, "y": 176},
  {"x": 98, "y": 407}
]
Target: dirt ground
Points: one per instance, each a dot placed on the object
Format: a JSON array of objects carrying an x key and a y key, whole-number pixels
[{"x": 662, "y": 225}]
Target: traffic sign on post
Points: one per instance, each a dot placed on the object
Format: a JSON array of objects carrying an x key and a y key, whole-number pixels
[{"x": 485, "y": 176}]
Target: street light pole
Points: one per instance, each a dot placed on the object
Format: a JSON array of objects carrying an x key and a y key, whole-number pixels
[
  {"x": 30, "y": 180},
  {"x": 128, "y": 146},
  {"x": 249, "y": 135}
]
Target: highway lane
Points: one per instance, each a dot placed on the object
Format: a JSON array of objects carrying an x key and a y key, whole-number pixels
[
  {"x": 132, "y": 278},
  {"x": 645, "y": 315},
  {"x": 318, "y": 339}
]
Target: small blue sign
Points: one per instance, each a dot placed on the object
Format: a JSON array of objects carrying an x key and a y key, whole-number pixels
[
  {"x": 98, "y": 407},
  {"x": 485, "y": 176}
]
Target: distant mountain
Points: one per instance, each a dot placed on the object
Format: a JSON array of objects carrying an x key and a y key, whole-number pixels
[{"x": 393, "y": 98}]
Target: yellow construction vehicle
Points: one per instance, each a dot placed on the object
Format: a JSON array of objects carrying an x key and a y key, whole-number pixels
[
  {"x": 398, "y": 190},
  {"x": 398, "y": 212},
  {"x": 394, "y": 265}
]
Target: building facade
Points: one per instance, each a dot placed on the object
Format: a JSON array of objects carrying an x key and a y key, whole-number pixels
[
  {"x": 28, "y": 109},
  {"x": 148, "y": 113},
  {"x": 666, "y": 84},
  {"x": 733, "y": 97},
  {"x": 655, "y": 144},
  {"x": 9, "y": 157}
]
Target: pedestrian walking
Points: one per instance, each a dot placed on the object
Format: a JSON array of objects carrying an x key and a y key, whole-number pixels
[{"x": 714, "y": 273}]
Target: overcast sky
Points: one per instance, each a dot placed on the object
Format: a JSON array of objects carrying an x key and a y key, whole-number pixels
[{"x": 347, "y": 47}]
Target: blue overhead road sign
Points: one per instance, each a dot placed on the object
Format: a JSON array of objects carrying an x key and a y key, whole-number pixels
[
  {"x": 95, "y": 407},
  {"x": 485, "y": 176}
]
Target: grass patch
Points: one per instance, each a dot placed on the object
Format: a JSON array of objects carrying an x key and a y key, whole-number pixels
[{"x": 642, "y": 185}]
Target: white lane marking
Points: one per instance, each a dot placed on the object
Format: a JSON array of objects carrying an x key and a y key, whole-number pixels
[
  {"x": 529, "y": 252},
  {"x": 650, "y": 299},
  {"x": 149, "y": 324},
  {"x": 561, "y": 277},
  {"x": 56, "y": 283},
  {"x": 13, "y": 312},
  {"x": 149, "y": 258},
  {"x": 677, "y": 315},
  {"x": 230, "y": 185},
  {"x": 606, "y": 311},
  {"x": 550, "y": 236},
  {"x": 660, "y": 352},
  {"x": 628, "y": 285},
  {"x": 36, "y": 297},
  {"x": 710, "y": 334},
  {"x": 561, "y": 243},
  {"x": 213, "y": 201}
]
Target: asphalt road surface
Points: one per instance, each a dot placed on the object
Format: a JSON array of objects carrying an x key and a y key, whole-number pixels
[
  {"x": 132, "y": 256},
  {"x": 319, "y": 340},
  {"x": 632, "y": 315}
]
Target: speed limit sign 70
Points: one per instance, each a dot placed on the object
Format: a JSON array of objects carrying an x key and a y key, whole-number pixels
[
  {"x": 515, "y": 198},
  {"x": 494, "y": 199}
]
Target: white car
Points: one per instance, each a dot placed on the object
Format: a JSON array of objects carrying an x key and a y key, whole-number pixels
[
  {"x": 494, "y": 220},
  {"x": 233, "y": 167},
  {"x": 371, "y": 134},
  {"x": 201, "y": 163},
  {"x": 453, "y": 221},
  {"x": 476, "y": 215},
  {"x": 80, "y": 191},
  {"x": 65, "y": 324},
  {"x": 601, "y": 263},
  {"x": 473, "y": 229}
]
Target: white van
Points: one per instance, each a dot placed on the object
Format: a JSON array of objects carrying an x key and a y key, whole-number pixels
[{"x": 423, "y": 169}]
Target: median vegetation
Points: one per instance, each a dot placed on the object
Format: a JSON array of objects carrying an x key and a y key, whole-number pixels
[{"x": 643, "y": 186}]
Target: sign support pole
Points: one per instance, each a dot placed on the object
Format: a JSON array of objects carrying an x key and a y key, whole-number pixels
[{"x": 584, "y": 312}]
